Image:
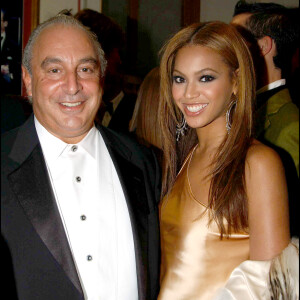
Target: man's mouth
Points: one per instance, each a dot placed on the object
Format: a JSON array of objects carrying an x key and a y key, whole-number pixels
[{"x": 68, "y": 104}]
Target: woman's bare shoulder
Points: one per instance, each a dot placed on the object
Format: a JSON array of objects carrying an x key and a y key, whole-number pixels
[
  {"x": 261, "y": 158},
  {"x": 267, "y": 202}
]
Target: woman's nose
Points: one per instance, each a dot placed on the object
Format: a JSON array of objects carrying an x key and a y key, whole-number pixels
[{"x": 192, "y": 91}]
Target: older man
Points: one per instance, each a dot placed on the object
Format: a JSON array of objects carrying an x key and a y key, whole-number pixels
[{"x": 78, "y": 203}]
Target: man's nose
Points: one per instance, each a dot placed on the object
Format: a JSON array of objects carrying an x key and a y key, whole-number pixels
[{"x": 72, "y": 84}]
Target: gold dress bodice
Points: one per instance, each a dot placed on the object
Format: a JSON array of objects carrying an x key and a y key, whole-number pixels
[{"x": 195, "y": 262}]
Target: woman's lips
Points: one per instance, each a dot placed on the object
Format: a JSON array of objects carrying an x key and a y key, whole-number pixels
[{"x": 194, "y": 109}]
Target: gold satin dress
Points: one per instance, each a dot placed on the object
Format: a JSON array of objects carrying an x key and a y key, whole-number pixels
[{"x": 195, "y": 262}]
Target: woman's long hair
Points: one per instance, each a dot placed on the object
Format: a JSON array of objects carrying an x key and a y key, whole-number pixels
[
  {"x": 227, "y": 196},
  {"x": 145, "y": 118}
]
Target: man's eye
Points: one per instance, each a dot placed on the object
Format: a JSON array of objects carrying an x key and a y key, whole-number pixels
[
  {"x": 54, "y": 71},
  {"x": 206, "y": 78},
  {"x": 87, "y": 69},
  {"x": 178, "y": 79}
]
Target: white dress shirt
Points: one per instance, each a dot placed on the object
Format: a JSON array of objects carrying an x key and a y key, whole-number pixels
[
  {"x": 94, "y": 212},
  {"x": 271, "y": 86}
]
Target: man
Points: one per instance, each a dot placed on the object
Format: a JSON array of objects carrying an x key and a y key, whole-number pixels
[
  {"x": 276, "y": 35},
  {"x": 78, "y": 203},
  {"x": 271, "y": 28},
  {"x": 14, "y": 109},
  {"x": 10, "y": 60},
  {"x": 117, "y": 109}
]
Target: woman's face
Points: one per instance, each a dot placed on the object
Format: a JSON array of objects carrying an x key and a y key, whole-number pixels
[{"x": 202, "y": 86}]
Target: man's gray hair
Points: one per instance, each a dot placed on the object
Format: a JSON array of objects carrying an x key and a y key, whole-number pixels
[{"x": 67, "y": 21}]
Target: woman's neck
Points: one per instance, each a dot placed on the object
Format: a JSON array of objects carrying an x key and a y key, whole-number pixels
[{"x": 210, "y": 137}]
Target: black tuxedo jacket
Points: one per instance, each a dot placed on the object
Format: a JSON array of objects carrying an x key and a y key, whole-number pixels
[
  {"x": 122, "y": 115},
  {"x": 32, "y": 229}
]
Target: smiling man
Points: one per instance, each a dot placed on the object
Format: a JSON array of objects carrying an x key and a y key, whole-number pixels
[{"x": 78, "y": 203}]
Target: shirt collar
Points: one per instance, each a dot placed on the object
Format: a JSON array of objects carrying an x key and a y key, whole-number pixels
[
  {"x": 117, "y": 100},
  {"x": 271, "y": 86},
  {"x": 89, "y": 142},
  {"x": 53, "y": 147}
]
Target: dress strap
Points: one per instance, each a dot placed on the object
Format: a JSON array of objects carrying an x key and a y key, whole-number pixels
[{"x": 187, "y": 158}]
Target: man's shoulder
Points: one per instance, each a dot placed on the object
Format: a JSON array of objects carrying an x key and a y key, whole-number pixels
[
  {"x": 280, "y": 104},
  {"x": 287, "y": 114},
  {"x": 125, "y": 144},
  {"x": 291, "y": 109},
  {"x": 7, "y": 140}
]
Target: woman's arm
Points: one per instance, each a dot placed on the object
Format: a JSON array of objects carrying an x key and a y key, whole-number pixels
[{"x": 268, "y": 202}]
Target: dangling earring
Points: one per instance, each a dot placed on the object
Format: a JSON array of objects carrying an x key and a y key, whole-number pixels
[
  {"x": 228, "y": 113},
  {"x": 181, "y": 128}
]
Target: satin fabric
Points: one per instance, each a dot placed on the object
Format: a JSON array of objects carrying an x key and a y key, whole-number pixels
[
  {"x": 195, "y": 261},
  {"x": 249, "y": 281}
]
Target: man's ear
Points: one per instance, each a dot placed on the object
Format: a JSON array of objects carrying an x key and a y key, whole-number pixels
[
  {"x": 27, "y": 81},
  {"x": 265, "y": 45}
]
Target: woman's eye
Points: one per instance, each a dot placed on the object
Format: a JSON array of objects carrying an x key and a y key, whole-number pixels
[
  {"x": 178, "y": 79},
  {"x": 206, "y": 78}
]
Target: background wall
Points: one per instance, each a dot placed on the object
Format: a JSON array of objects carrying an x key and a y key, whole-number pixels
[
  {"x": 50, "y": 8},
  {"x": 210, "y": 9},
  {"x": 157, "y": 20},
  {"x": 222, "y": 10},
  {"x": 149, "y": 23}
]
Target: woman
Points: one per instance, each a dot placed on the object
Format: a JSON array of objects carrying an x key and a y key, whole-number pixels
[
  {"x": 144, "y": 118},
  {"x": 144, "y": 122},
  {"x": 225, "y": 196}
]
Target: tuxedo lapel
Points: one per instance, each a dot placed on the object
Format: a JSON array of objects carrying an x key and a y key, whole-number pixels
[
  {"x": 134, "y": 191},
  {"x": 30, "y": 183},
  {"x": 132, "y": 182}
]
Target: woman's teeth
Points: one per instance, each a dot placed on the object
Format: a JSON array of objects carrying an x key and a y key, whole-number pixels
[
  {"x": 195, "y": 108},
  {"x": 71, "y": 104}
]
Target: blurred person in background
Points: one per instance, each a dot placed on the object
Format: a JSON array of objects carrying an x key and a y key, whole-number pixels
[
  {"x": 10, "y": 59},
  {"x": 274, "y": 30},
  {"x": 15, "y": 109},
  {"x": 277, "y": 37},
  {"x": 144, "y": 123},
  {"x": 117, "y": 108}
]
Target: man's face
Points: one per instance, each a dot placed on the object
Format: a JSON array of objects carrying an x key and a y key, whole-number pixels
[
  {"x": 240, "y": 22},
  {"x": 65, "y": 82},
  {"x": 241, "y": 19}
]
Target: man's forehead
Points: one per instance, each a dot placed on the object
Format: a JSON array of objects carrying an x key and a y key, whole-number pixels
[
  {"x": 59, "y": 30},
  {"x": 62, "y": 40}
]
